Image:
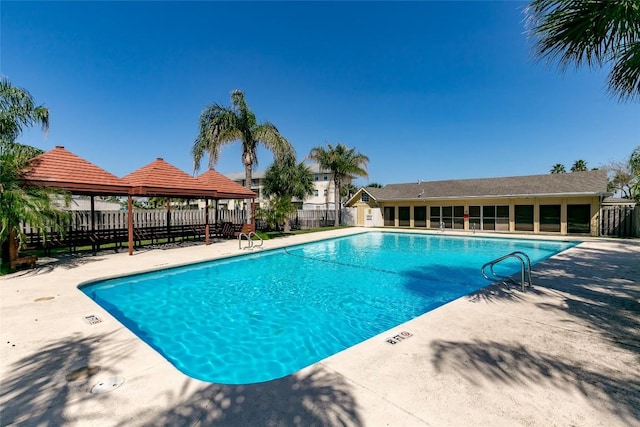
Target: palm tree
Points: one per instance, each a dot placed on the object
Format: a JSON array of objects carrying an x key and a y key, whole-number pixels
[
  {"x": 375, "y": 185},
  {"x": 558, "y": 168},
  {"x": 224, "y": 125},
  {"x": 19, "y": 111},
  {"x": 342, "y": 162},
  {"x": 579, "y": 166},
  {"x": 285, "y": 179},
  {"x": 592, "y": 33},
  {"x": 17, "y": 202},
  {"x": 347, "y": 191}
]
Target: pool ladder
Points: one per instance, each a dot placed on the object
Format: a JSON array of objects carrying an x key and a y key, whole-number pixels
[
  {"x": 250, "y": 241},
  {"x": 525, "y": 263}
]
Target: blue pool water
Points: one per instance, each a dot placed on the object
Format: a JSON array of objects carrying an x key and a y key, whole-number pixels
[{"x": 266, "y": 315}]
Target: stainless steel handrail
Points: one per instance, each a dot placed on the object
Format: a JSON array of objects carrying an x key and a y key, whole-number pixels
[
  {"x": 525, "y": 263},
  {"x": 253, "y": 234},
  {"x": 250, "y": 241}
]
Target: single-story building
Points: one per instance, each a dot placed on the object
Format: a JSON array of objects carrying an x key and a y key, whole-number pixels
[{"x": 564, "y": 203}]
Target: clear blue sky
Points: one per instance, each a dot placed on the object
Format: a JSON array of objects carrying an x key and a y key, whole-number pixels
[{"x": 427, "y": 90}]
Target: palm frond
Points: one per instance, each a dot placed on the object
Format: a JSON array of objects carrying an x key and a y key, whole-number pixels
[
  {"x": 269, "y": 136},
  {"x": 18, "y": 110},
  {"x": 591, "y": 33},
  {"x": 217, "y": 127},
  {"x": 624, "y": 78}
]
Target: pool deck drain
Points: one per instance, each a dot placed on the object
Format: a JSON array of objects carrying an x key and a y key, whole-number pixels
[{"x": 564, "y": 353}]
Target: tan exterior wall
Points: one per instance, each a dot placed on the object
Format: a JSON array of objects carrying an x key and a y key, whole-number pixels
[
  {"x": 368, "y": 214},
  {"x": 594, "y": 202}
]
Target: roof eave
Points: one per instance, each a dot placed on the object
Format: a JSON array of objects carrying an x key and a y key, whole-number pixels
[
  {"x": 500, "y": 196},
  {"x": 175, "y": 192},
  {"x": 82, "y": 188},
  {"x": 361, "y": 190}
]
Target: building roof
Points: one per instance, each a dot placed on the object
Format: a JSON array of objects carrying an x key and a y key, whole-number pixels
[
  {"x": 62, "y": 169},
  {"x": 315, "y": 168},
  {"x": 240, "y": 176},
  {"x": 575, "y": 183},
  {"x": 160, "y": 178},
  {"x": 225, "y": 187},
  {"x": 618, "y": 201}
]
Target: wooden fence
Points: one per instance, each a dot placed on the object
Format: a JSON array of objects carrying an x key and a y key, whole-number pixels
[
  {"x": 152, "y": 226},
  {"x": 307, "y": 219},
  {"x": 620, "y": 221},
  {"x": 111, "y": 227}
]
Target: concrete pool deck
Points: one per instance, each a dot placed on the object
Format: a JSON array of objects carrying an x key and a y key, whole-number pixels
[{"x": 564, "y": 353}]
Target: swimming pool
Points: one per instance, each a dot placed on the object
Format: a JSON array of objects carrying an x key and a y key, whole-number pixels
[{"x": 262, "y": 316}]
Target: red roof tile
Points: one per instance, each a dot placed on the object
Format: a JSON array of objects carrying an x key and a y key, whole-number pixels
[
  {"x": 160, "y": 178},
  {"x": 225, "y": 187},
  {"x": 63, "y": 169}
]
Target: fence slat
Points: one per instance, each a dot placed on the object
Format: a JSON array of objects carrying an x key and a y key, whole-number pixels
[{"x": 619, "y": 221}]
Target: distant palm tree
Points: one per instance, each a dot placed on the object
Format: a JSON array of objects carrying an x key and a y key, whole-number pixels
[
  {"x": 347, "y": 191},
  {"x": 558, "y": 168},
  {"x": 284, "y": 180},
  {"x": 342, "y": 162},
  {"x": 19, "y": 203},
  {"x": 591, "y": 32},
  {"x": 224, "y": 125},
  {"x": 374, "y": 185},
  {"x": 285, "y": 177},
  {"x": 579, "y": 166}
]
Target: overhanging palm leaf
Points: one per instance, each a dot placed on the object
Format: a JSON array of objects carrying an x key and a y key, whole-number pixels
[{"x": 591, "y": 32}]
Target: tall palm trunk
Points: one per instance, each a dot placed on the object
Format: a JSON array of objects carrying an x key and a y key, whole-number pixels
[
  {"x": 13, "y": 246},
  {"x": 248, "y": 177},
  {"x": 336, "y": 200}
]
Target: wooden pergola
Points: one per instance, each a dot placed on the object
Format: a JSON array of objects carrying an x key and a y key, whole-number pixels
[{"x": 62, "y": 169}]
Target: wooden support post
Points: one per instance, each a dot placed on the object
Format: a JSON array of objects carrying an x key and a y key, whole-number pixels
[
  {"x": 206, "y": 221},
  {"x": 130, "y": 223}
]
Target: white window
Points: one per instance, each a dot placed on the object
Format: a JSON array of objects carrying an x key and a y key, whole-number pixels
[
  {"x": 325, "y": 191},
  {"x": 364, "y": 197},
  {"x": 316, "y": 194},
  {"x": 326, "y": 176}
]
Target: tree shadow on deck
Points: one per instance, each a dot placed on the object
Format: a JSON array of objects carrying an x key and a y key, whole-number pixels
[
  {"x": 599, "y": 288},
  {"x": 316, "y": 397},
  {"x": 515, "y": 365},
  {"x": 41, "y": 385},
  {"x": 52, "y": 387}
]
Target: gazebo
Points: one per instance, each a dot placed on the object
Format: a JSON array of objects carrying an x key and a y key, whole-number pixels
[
  {"x": 62, "y": 169},
  {"x": 225, "y": 189}
]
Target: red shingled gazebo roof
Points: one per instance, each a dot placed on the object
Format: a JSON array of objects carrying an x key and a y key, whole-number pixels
[
  {"x": 160, "y": 178},
  {"x": 225, "y": 187},
  {"x": 62, "y": 169}
]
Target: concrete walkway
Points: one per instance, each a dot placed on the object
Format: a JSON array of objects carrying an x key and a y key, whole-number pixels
[{"x": 566, "y": 353}]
